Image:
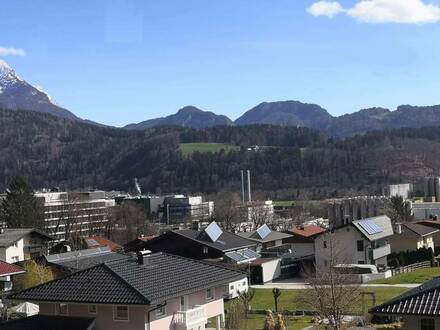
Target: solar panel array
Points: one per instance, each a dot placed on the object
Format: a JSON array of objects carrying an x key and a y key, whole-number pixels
[
  {"x": 370, "y": 226},
  {"x": 242, "y": 255},
  {"x": 213, "y": 231},
  {"x": 263, "y": 231}
]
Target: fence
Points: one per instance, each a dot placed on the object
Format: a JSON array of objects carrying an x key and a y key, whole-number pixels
[{"x": 411, "y": 268}]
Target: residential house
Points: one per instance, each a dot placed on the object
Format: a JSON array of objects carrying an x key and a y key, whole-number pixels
[
  {"x": 265, "y": 238},
  {"x": 6, "y": 272},
  {"x": 18, "y": 244},
  {"x": 92, "y": 242},
  {"x": 363, "y": 241},
  {"x": 433, "y": 223},
  {"x": 210, "y": 243},
  {"x": 154, "y": 291},
  {"x": 418, "y": 307},
  {"x": 302, "y": 240},
  {"x": 138, "y": 243},
  {"x": 412, "y": 236}
]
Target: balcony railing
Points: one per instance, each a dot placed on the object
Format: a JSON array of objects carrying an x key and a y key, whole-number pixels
[
  {"x": 191, "y": 316},
  {"x": 380, "y": 251}
]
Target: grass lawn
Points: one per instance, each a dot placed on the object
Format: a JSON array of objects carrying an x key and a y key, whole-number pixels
[
  {"x": 256, "y": 322},
  {"x": 188, "y": 148},
  {"x": 418, "y": 276},
  {"x": 291, "y": 299},
  {"x": 283, "y": 203}
]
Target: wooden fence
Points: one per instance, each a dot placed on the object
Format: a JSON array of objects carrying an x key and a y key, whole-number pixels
[{"x": 411, "y": 268}]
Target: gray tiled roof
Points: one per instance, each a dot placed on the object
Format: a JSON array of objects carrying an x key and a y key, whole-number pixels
[
  {"x": 419, "y": 229},
  {"x": 422, "y": 300},
  {"x": 161, "y": 277},
  {"x": 226, "y": 241},
  {"x": 273, "y": 236},
  {"x": 382, "y": 221},
  {"x": 12, "y": 235}
]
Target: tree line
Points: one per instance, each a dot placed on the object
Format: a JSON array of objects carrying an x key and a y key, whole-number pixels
[{"x": 299, "y": 163}]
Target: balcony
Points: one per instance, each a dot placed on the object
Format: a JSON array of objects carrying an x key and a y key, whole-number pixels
[
  {"x": 380, "y": 251},
  {"x": 184, "y": 319},
  {"x": 33, "y": 248}
]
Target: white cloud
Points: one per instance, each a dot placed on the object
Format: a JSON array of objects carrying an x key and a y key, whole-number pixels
[
  {"x": 384, "y": 11},
  {"x": 325, "y": 8},
  {"x": 12, "y": 51}
]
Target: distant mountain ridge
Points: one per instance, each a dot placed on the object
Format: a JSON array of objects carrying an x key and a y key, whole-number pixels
[
  {"x": 298, "y": 114},
  {"x": 188, "y": 116},
  {"x": 17, "y": 94}
]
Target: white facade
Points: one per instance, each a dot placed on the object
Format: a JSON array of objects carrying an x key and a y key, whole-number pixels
[
  {"x": 350, "y": 247},
  {"x": 233, "y": 289},
  {"x": 82, "y": 213},
  {"x": 403, "y": 190}
]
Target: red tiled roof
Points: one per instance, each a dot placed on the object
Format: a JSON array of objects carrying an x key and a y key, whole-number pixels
[
  {"x": 9, "y": 269},
  {"x": 307, "y": 231},
  {"x": 102, "y": 241}
]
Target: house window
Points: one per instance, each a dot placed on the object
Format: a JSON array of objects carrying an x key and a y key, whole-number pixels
[
  {"x": 120, "y": 313},
  {"x": 209, "y": 294},
  {"x": 361, "y": 262},
  {"x": 205, "y": 250},
  {"x": 63, "y": 309},
  {"x": 14, "y": 259},
  {"x": 161, "y": 311},
  {"x": 325, "y": 244},
  {"x": 360, "y": 245},
  {"x": 427, "y": 324},
  {"x": 92, "y": 309}
]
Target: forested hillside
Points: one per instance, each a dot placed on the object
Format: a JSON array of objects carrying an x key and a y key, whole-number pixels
[{"x": 291, "y": 162}]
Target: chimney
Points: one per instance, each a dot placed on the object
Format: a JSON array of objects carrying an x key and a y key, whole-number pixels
[
  {"x": 398, "y": 228},
  {"x": 196, "y": 224},
  {"x": 142, "y": 256},
  {"x": 242, "y": 187},
  {"x": 249, "y": 185}
]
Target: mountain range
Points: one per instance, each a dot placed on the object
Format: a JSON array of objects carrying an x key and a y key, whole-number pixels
[
  {"x": 297, "y": 114},
  {"x": 17, "y": 94}
]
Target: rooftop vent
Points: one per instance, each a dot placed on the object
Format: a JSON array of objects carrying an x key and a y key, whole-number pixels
[{"x": 141, "y": 256}]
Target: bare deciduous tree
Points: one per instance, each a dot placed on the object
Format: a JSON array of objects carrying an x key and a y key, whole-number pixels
[
  {"x": 227, "y": 211},
  {"x": 332, "y": 292}
]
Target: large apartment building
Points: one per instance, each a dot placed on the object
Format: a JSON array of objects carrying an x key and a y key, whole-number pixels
[{"x": 79, "y": 213}]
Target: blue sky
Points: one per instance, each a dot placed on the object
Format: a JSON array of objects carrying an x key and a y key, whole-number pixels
[{"x": 124, "y": 61}]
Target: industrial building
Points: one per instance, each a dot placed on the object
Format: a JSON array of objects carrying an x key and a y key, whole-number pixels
[
  {"x": 79, "y": 213},
  {"x": 345, "y": 210},
  {"x": 172, "y": 209},
  {"x": 404, "y": 190}
]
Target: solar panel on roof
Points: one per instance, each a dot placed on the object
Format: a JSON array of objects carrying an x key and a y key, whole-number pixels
[
  {"x": 91, "y": 242},
  {"x": 263, "y": 231},
  {"x": 213, "y": 231},
  {"x": 242, "y": 255},
  {"x": 370, "y": 226}
]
